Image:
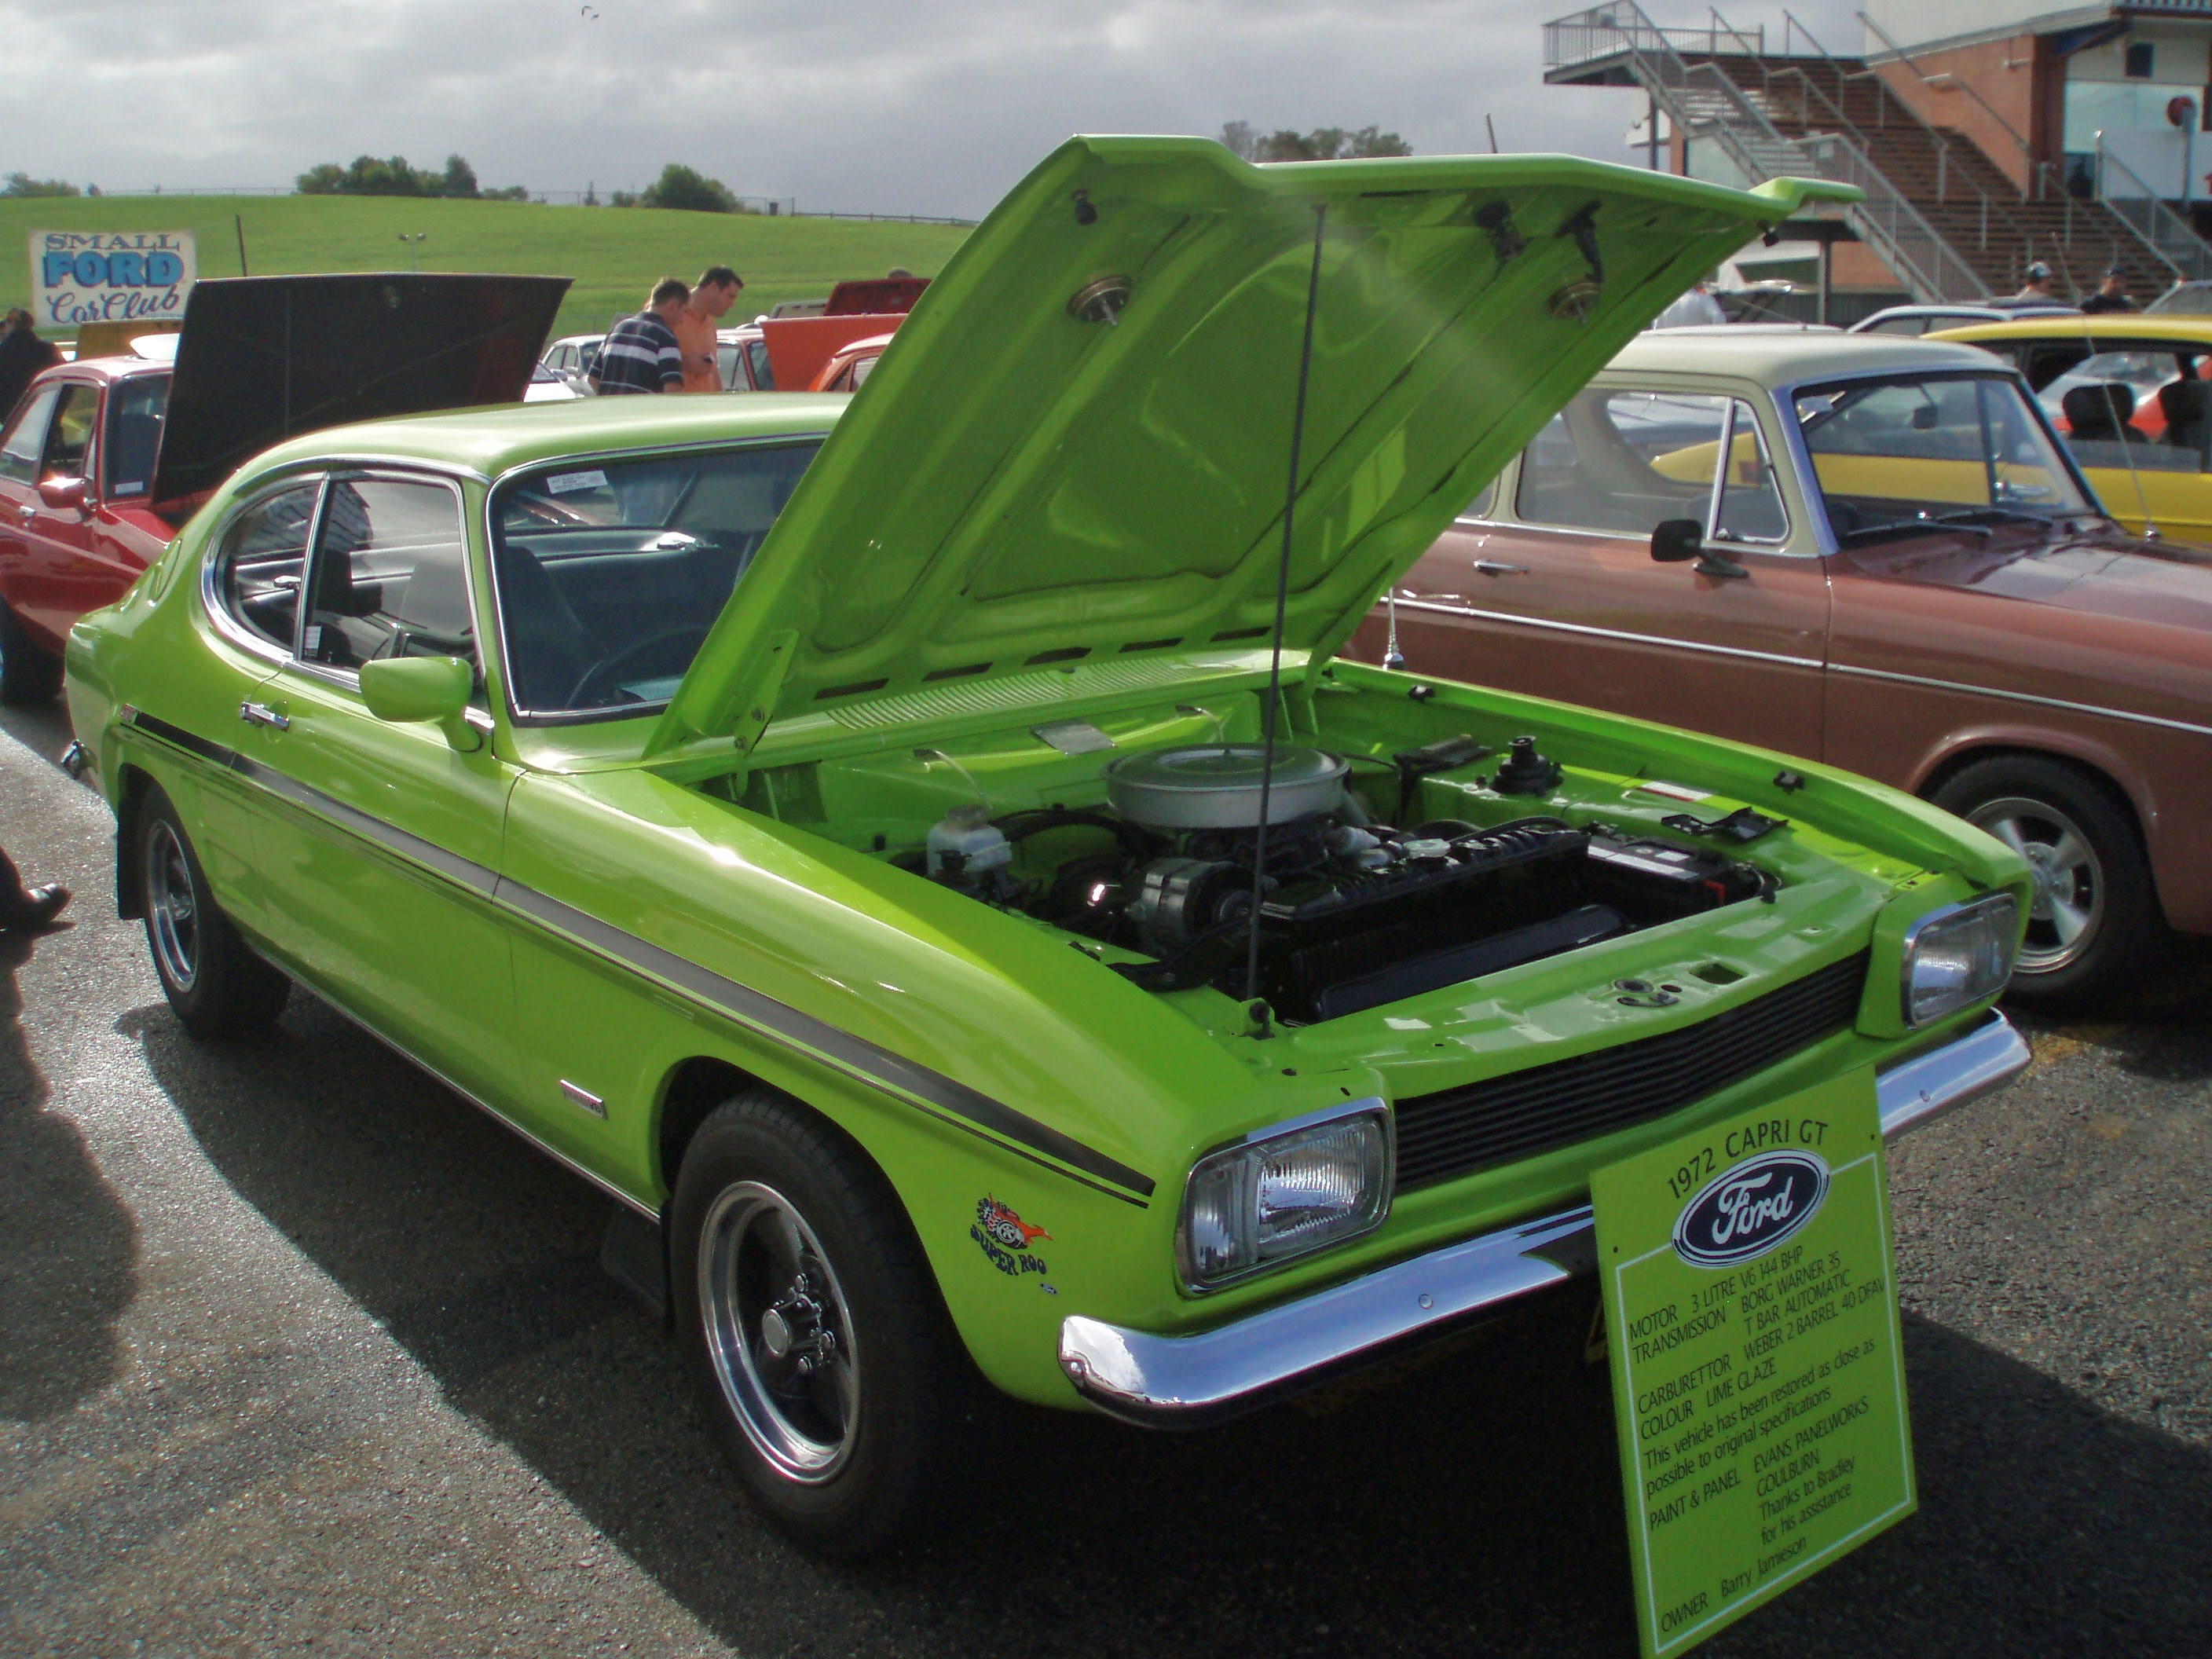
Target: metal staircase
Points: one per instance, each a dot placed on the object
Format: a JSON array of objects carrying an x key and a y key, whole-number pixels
[{"x": 1945, "y": 219}]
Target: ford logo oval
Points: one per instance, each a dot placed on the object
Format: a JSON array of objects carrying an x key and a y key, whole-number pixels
[{"x": 1751, "y": 1209}]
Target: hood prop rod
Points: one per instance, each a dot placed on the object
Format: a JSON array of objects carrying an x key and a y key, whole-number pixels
[{"x": 1282, "y": 612}]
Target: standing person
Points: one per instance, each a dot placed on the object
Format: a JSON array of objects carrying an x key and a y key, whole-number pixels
[
  {"x": 640, "y": 353},
  {"x": 2112, "y": 295},
  {"x": 2038, "y": 285},
  {"x": 22, "y": 909},
  {"x": 1696, "y": 309},
  {"x": 711, "y": 296},
  {"x": 22, "y": 354}
]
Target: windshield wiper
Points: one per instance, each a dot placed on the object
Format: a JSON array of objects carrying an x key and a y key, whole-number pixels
[{"x": 1968, "y": 518}]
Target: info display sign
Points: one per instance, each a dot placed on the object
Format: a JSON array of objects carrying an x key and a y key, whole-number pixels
[
  {"x": 1758, "y": 1378},
  {"x": 80, "y": 276}
]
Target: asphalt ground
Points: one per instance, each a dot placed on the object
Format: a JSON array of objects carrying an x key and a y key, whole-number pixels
[{"x": 298, "y": 1354}]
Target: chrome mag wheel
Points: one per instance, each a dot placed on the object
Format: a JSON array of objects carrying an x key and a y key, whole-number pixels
[
  {"x": 2069, "y": 901},
  {"x": 778, "y": 1332},
  {"x": 172, "y": 908}
]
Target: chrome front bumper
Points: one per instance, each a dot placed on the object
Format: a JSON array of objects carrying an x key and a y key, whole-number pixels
[{"x": 1187, "y": 1382}]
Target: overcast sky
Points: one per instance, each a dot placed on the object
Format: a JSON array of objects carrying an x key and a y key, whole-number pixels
[{"x": 923, "y": 106}]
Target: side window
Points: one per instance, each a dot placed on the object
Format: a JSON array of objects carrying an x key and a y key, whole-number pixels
[
  {"x": 756, "y": 355},
  {"x": 390, "y": 576},
  {"x": 257, "y": 574},
  {"x": 26, "y": 439},
  {"x": 135, "y": 408},
  {"x": 1625, "y": 462},
  {"x": 69, "y": 444}
]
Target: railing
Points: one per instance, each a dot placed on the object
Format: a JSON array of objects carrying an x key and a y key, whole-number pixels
[
  {"x": 2039, "y": 174},
  {"x": 1577, "y": 40},
  {"x": 1706, "y": 99},
  {"x": 2168, "y": 235}
]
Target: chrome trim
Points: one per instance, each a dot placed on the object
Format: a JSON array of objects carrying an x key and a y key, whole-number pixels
[
  {"x": 74, "y": 760},
  {"x": 1921, "y": 1090},
  {"x": 2090, "y": 709},
  {"x": 260, "y": 714},
  {"x": 211, "y": 554},
  {"x": 577, "y": 1096},
  {"x": 1187, "y": 1382},
  {"x": 1614, "y": 633},
  {"x": 1911, "y": 945}
]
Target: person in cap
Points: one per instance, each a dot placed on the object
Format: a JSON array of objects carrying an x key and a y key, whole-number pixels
[
  {"x": 2038, "y": 286},
  {"x": 2112, "y": 295}
]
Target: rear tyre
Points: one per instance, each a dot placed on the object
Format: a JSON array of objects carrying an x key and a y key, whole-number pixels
[
  {"x": 215, "y": 984},
  {"x": 2095, "y": 929},
  {"x": 812, "y": 1326},
  {"x": 28, "y": 672}
]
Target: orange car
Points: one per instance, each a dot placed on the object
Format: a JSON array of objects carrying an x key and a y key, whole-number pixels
[{"x": 850, "y": 365}]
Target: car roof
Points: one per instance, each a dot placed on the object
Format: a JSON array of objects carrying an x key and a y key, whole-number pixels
[
  {"x": 117, "y": 367},
  {"x": 2165, "y": 325},
  {"x": 1784, "y": 357},
  {"x": 490, "y": 440}
]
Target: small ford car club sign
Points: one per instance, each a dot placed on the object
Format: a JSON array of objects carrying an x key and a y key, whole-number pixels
[
  {"x": 80, "y": 276},
  {"x": 1751, "y": 1319}
]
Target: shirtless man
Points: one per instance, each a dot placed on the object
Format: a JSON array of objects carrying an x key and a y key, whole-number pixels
[{"x": 711, "y": 296}]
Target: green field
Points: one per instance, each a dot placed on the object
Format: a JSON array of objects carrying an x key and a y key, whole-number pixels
[{"x": 613, "y": 253}]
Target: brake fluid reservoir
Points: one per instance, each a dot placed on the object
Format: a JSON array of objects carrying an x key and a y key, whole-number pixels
[{"x": 967, "y": 844}]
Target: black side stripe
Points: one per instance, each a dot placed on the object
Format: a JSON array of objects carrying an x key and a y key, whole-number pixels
[{"x": 944, "y": 1097}]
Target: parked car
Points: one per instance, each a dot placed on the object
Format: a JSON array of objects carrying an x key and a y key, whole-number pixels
[
  {"x": 859, "y": 309},
  {"x": 849, "y": 369},
  {"x": 1928, "y": 319},
  {"x": 741, "y": 358},
  {"x": 102, "y": 460},
  {"x": 2189, "y": 299},
  {"x": 841, "y": 850},
  {"x": 1904, "y": 574},
  {"x": 571, "y": 357},
  {"x": 547, "y": 387},
  {"x": 2130, "y": 394}
]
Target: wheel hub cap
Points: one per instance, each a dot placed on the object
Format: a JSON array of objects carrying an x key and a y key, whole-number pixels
[{"x": 2066, "y": 905}]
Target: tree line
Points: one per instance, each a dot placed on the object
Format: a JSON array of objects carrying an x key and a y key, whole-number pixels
[
  {"x": 374, "y": 175},
  {"x": 1322, "y": 144}
]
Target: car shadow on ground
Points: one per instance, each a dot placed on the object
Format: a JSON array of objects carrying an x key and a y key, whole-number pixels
[
  {"x": 68, "y": 1248},
  {"x": 1466, "y": 1503}
]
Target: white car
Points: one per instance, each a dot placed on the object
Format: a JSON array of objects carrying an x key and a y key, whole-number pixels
[
  {"x": 570, "y": 360},
  {"x": 547, "y": 387}
]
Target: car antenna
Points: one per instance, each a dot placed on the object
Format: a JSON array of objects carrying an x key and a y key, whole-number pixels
[
  {"x": 2127, "y": 455},
  {"x": 1282, "y": 612}
]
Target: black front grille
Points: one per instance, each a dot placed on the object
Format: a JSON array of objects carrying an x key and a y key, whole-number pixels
[{"x": 1454, "y": 1132}]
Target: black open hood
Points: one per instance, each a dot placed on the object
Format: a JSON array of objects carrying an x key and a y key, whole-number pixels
[{"x": 266, "y": 358}]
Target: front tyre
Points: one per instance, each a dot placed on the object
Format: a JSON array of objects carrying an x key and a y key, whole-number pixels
[
  {"x": 812, "y": 1324},
  {"x": 28, "y": 673},
  {"x": 214, "y": 981},
  {"x": 2094, "y": 928}
]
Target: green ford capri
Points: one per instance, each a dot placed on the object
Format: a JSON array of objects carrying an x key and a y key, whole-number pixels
[{"x": 878, "y": 840}]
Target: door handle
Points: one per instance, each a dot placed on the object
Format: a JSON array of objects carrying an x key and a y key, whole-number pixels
[
  {"x": 260, "y": 714},
  {"x": 1499, "y": 567},
  {"x": 26, "y": 512}
]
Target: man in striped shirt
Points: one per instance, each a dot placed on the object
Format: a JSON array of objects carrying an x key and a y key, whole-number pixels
[{"x": 640, "y": 353}]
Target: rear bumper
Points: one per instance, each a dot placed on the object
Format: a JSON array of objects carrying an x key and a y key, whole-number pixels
[{"x": 1187, "y": 1382}]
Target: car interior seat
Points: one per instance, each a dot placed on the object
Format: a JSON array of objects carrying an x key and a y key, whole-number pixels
[
  {"x": 2186, "y": 404},
  {"x": 2102, "y": 413},
  {"x": 548, "y": 649}
]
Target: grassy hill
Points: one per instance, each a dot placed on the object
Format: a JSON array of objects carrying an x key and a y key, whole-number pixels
[{"x": 614, "y": 254}]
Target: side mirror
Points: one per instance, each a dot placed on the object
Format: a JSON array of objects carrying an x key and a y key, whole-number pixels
[
  {"x": 63, "y": 494},
  {"x": 434, "y": 688},
  {"x": 1677, "y": 541}
]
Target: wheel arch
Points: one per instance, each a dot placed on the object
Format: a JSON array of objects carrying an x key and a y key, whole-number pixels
[{"x": 2104, "y": 765}]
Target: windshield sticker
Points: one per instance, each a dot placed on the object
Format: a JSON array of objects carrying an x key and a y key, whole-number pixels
[
  {"x": 561, "y": 482},
  {"x": 1006, "y": 1238}
]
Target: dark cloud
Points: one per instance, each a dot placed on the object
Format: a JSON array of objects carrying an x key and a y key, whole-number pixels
[{"x": 846, "y": 104}]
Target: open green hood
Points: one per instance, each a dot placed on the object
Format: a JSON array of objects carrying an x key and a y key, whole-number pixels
[{"x": 1020, "y": 483}]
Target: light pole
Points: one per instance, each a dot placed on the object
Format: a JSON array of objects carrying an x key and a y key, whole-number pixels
[{"x": 414, "y": 248}]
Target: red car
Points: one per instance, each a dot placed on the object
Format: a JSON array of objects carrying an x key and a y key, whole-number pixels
[{"x": 101, "y": 460}]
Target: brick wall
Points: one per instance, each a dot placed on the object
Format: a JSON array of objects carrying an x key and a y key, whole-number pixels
[{"x": 2012, "y": 76}]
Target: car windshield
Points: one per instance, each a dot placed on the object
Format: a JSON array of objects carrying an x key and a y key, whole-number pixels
[
  {"x": 611, "y": 573},
  {"x": 1897, "y": 456}
]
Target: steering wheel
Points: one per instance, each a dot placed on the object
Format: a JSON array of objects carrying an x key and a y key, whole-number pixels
[{"x": 609, "y": 665}]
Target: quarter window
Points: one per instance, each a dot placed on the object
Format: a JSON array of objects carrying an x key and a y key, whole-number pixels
[
  {"x": 257, "y": 575},
  {"x": 1625, "y": 462},
  {"x": 135, "y": 411},
  {"x": 69, "y": 444},
  {"x": 390, "y": 577},
  {"x": 26, "y": 439}
]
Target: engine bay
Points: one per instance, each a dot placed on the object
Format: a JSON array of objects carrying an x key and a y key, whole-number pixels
[{"x": 1352, "y": 912}]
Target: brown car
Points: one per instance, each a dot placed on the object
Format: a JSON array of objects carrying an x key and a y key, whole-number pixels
[{"x": 1900, "y": 572}]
